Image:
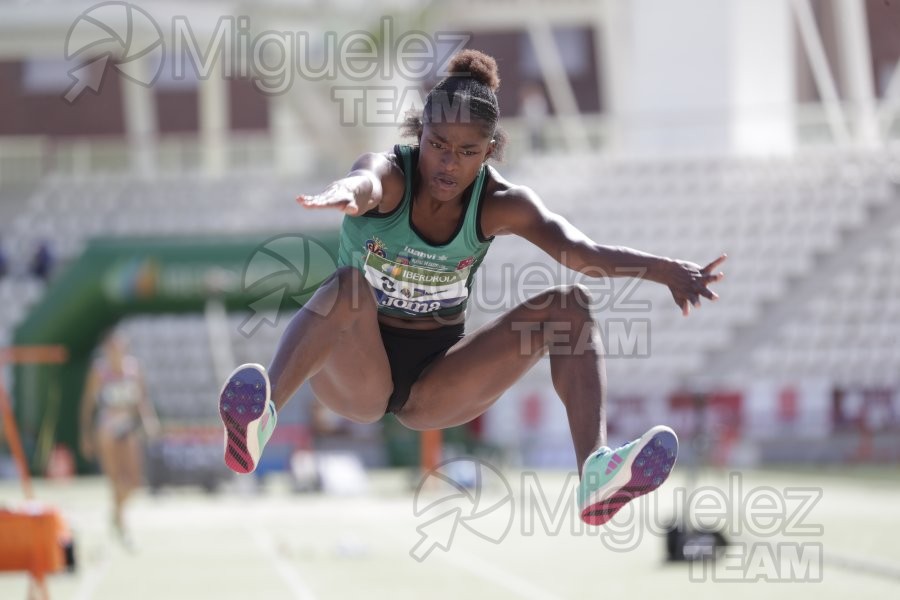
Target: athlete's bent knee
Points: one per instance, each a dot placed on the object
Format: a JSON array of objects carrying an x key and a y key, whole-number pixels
[{"x": 571, "y": 302}]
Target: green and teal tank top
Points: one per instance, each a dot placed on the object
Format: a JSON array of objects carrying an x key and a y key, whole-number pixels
[{"x": 410, "y": 275}]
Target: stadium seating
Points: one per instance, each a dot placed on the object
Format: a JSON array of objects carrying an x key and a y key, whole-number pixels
[{"x": 777, "y": 218}]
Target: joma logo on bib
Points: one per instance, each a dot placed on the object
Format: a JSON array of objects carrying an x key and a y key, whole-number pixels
[{"x": 408, "y": 305}]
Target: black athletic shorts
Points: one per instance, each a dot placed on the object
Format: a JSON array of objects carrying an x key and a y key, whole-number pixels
[{"x": 410, "y": 351}]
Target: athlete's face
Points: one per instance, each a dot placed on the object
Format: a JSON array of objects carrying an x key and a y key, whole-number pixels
[{"x": 450, "y": 157}]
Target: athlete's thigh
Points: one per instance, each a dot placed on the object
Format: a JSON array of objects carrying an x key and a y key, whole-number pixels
[
  {"x": 355, "y": 380},
  {"x": 111, "y": 460},
  {"x": 132, "y": 459},
  {"x": 463, "y": 383}
]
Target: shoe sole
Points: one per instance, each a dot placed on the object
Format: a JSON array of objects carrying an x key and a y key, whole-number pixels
[
  {"x": 242, "y": 403},
  {"x": 647, "y": 467}
]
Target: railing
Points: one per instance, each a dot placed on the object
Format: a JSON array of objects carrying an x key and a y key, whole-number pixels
[{"x": 27, "y": 159}]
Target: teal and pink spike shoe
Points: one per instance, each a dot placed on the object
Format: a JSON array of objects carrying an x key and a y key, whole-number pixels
[
  {"x": 612, "y": 478},
  {"x": 248, "y": 415}
]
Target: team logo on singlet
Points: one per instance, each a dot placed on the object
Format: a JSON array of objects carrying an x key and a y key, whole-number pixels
[
  {"x": 412, "y": 289},
  {"x": 376, "y": 246},
  {"x": 465, "y": 263}
]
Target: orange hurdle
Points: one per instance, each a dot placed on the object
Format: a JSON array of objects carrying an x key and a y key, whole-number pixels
[{"x": 35, "y": 538}]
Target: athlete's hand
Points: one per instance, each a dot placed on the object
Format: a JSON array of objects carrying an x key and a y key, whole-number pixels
[
  {"x": 688, "y": 281},
  {"x": 152, "y": 429},
  {"x": 350, "y": 195}
]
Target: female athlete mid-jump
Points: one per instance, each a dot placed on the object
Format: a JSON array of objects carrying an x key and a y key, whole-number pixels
[{"x": 385, "y": 333}]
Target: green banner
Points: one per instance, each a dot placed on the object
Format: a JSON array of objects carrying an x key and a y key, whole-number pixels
[{"x": 117, "y": 277}]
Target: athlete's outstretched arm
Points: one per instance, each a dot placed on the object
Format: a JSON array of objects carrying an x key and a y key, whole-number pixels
[
  {"x": 359, "y": 191},
  {"x": 519, "y": 211}
]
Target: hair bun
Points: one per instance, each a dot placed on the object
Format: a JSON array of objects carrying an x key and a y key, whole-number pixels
[{"x": 477, "y": 65}]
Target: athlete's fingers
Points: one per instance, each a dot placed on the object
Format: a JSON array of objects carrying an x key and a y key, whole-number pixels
[
  {"x": 315, "y": 199},
  {"x": 321, "y": 201},
  {"x": 330, "y": 206},
  {"x": 708, "y": 293},
  {"x": 711, "y": 266}
]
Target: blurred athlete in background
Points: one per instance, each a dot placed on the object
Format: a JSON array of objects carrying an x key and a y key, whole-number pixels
[{"x": 115, "y": 411}]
